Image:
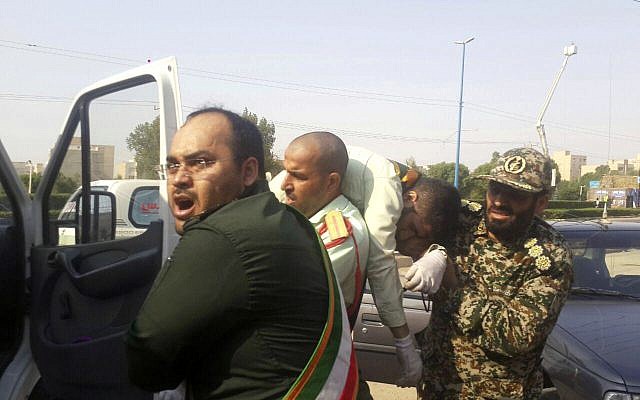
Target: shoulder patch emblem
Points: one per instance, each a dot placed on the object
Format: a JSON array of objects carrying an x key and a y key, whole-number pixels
[
  {"x": 335, "y": 225},
  {"x": 514, "y": 164}
]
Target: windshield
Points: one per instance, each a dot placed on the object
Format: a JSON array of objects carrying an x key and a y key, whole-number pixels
[{"x": 606, "y": 261}]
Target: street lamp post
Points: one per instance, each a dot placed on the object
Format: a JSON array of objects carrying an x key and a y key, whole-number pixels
[
  {"x": 568, "y": 51},
  {"x": 457, "y": 168},
  {"x": 30, "y": 164}
]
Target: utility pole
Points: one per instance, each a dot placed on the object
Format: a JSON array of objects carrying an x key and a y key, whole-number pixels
[{"x": 457, "y": 168}]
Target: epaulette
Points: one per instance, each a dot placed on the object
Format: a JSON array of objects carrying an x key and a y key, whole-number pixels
[{"x": 335, "y": 225}]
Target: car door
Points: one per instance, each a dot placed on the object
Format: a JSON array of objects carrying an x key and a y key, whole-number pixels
[
  {"x": 84, "y": 295},
  {"x": 374, "y": 342}
]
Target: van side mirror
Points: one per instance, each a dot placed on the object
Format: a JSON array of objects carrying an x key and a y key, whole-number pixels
[{"x": 102, "y": 217}]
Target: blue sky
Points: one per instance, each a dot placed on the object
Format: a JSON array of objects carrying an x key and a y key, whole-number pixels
[{"x": 282, "y": 58}]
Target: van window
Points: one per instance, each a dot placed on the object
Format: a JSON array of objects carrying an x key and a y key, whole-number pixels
[
  {"x": 144, "y": 206},
  {"x": 68, "y": 213}
]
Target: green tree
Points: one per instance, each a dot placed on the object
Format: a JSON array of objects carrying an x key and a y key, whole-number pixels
[
  {"x": 36, "y": 177},
  {"x": 446, "y": 172},
  {"x": 475, "y": 189},
  {"x": 65, "y": 184},
  {"x": 145, "y": 141},
  {"x": 594, "y": 176},
  {"x": 268, "y": 131},
  {"x": 568, "y": 190}
]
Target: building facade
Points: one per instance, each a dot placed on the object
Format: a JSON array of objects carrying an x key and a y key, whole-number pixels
[
  {"x": 127, "y": 170},
  {"x": 102, "y": 161},
  {"x": 569, "y": 165}
]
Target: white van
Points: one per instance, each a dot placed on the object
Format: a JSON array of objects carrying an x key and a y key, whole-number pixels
[{"x": 137, "y": 204}]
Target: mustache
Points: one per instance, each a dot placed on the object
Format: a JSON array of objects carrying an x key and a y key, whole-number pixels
[{"x": 504, "y": 209}]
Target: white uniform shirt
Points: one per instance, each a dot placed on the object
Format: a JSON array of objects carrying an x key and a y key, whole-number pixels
[{"x": 342, "y": 252}]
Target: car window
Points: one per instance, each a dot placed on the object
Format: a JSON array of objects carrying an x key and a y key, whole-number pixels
[
  {"x": 607, "y": 260},
  {"x": 145, "y": 206}
]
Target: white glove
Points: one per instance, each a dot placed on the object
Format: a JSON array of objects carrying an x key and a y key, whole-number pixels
[
  {"x": 410, "y": 363},
  {"x": 425, "y": 275}
]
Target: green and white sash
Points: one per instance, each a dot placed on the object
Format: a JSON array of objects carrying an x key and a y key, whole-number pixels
[{"x": 332, "y": 370}]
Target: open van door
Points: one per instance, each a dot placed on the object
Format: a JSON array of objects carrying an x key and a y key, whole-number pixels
[{"x": 84, "y": 295}]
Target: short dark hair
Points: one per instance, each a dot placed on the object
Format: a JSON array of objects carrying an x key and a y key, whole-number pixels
[
  {"x": 247, "y": 139},
  {"x": 439, "y": 205}
]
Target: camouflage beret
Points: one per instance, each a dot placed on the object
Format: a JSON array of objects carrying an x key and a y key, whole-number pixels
[{"x": 523, "y": 169}]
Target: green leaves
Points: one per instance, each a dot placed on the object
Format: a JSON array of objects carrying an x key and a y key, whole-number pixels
[{"x": 145, "y": 141}]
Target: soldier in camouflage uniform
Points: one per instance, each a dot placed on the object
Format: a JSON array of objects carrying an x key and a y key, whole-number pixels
[{"x": 501, "y": 299}]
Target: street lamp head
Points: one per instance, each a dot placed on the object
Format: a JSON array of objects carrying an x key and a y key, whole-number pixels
[
  {"x": 464, "y": 41},
  {"x": 570, "y": 50}
]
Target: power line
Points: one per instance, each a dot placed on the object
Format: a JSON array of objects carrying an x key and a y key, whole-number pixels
[
  {"x": 382, "y": 136},
  {"x": 285, "y": 124},
  {"x": 306, "y": 88},
  {"x": 285, "y": 85}
]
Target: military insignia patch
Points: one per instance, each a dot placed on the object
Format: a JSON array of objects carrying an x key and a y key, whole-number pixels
[{"x": 514, "y": 164}]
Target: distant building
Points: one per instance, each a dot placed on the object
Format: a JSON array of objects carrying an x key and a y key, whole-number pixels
[
  {"x": 625, "y": 166},
  {"x": 569, "y": 165},
  {"x": 22, "y": 167},
  {"x": 127, "y": 170},
  {"x": 587, "y": 169},
  {"x": 101, "y": 156}
]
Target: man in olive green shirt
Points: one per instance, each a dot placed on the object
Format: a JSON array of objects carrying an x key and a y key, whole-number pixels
[{"x": 239, "y": 307}]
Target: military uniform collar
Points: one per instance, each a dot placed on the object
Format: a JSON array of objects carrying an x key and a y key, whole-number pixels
[{"x": 339, "y": 203}]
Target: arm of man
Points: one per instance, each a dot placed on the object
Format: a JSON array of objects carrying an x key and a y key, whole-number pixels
[
  {"x": 201, "y": 294},
  {"x": 382, "y": 213},
  {"x": 512, "y": 325}
]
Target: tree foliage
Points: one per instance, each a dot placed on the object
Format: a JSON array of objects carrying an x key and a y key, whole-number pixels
[
  {"x": 476, "y": 188},
  {"x": 446, "y": 171},
  {"x": 36, "y": 177},
  {"x": 268, "y": 131},
  {"x": 594, "y": 176},
  {"x": 145, "y": 141},
  {"x": 63, "y": 183},
  {"x": 568, "y": 190}
]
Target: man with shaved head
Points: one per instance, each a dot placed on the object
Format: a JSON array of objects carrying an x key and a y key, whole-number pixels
[{"x": 316, "y": 163}]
